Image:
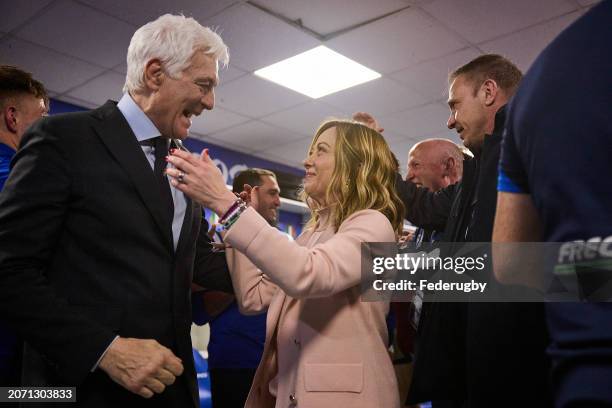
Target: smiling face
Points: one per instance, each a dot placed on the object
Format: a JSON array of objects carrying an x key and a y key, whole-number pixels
[
  {"x": 320, "y": 165},
  {"x": 175, "y": 101},
  {"x": 425, "y": 168},
  {"x": 469, "y": 113},
  {"x": 268, "y": 195}
]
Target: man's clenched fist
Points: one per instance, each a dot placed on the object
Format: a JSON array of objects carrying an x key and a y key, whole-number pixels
[{"x": 141, "y": 366}]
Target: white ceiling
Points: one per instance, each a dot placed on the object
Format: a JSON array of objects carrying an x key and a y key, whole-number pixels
[{"x": 77, "y": 48}]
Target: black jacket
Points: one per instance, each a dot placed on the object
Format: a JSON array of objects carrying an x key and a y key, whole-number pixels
[
  {"x": 488, "y": 354},
  {"x": 86, "y": 253}
]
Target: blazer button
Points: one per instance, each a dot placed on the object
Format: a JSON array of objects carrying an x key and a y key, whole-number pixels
[{"x": 292, "y": 399}]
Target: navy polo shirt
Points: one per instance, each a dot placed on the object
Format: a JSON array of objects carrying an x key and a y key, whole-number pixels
[
  {"x": 557, "y": 147},
  {"x": 6, "y": 154}
]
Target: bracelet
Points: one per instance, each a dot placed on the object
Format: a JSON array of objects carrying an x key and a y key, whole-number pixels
[
  {"x": 239, "y": 201},
  {"x": 232, "y": 214}
]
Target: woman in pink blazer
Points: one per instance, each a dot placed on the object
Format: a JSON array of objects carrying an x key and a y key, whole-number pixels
[{"x": 324, "y": 347}]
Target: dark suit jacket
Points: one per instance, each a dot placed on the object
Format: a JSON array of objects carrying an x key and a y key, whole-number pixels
[
  {"x": 488, "y": 354},
  {"x": 86, "y": 253}
]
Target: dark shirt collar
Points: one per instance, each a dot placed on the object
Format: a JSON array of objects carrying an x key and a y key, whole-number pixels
[
  {"x": 498, "y": 127},
  {"x": 500, "y": 120}
]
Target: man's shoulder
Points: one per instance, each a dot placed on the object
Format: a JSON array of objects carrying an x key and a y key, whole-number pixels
[
  {"x": 88, "y": 116},
  {"x": 72, "y": 127}
]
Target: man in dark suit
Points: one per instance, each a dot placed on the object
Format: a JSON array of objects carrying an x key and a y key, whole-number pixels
[{"x": 97, "y": 250}]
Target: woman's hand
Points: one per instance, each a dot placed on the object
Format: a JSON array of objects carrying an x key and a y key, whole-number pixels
[{"x": 200, "y": 179}]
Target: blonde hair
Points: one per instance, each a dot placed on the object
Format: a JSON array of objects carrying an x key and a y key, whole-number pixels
[{"x": 364, "y": 175}]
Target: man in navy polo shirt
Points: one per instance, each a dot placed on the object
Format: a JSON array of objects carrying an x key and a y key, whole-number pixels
[
  {"x": 554, "y": 185},
  {"x": 237, "y": 341},
  {"x": 23, "y": 100}
]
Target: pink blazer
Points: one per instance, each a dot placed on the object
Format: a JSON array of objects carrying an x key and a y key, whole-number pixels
[{"x": 324, "y": 347}]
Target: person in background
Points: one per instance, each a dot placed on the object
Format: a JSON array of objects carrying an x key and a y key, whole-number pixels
[
  {"x": 236, "y": 340},
  {"x": 324, "y": 346},
  {"x": 433, "y": 164},
  {"x": 23, "y": 100},
  {"x": 475, "y": 354},
  {"x": 554, "y": 187}
]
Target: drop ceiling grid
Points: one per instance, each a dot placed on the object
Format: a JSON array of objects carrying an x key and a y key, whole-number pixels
[
  {"x": 58, "y": 71},
  {"x": 81, "y": 32},
  {"x": 414, "y": 49}
]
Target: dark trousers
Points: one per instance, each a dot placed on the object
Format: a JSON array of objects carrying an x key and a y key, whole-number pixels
[{"x": 229, "y": 387}]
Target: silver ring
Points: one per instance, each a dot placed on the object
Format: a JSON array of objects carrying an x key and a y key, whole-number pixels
[{"x": 181, "y": 177}]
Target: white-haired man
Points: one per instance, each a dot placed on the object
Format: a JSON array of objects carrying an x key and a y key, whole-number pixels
[{"x": 96, "y": 248}]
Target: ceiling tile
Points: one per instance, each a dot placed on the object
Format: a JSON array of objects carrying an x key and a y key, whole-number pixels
[
  {"x": 18, "y": 13},
  {"x": 256, "y": 39},
  {"x": 254, "y": 97},
  {"x": 215, "y": 120},
  {"x": 401, "y": 148},
  {"x": 481, "y": 20},
  {"x": 430, "y": 78},
  {"x": 294, "y": 153},
  {"x": 397, "y": 42},
  {"x": 255, "y": 136},
  {"x": 417, "y": 2},
  {"x": 523, "y": 47},
  {"x": 306, "y": 118},
  {"x": 99, "y": 90},
  {"x": 446, "y": 133},
  {"x": 326, "y": 16},
  {"x": 379, "y": 97},
  {"x": 79, "y": 31},
  {"x": 136, "y": 13},
  {"x": 229, "y": 73},
  {"x": 56, "y": 71},
  {"x": 419, "y": 122},
  {"x": 121, "y": 68},
  {"x": 391, "y": 135}
]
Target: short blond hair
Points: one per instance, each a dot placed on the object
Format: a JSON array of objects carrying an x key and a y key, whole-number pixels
[{"x": 490, "y": 66}]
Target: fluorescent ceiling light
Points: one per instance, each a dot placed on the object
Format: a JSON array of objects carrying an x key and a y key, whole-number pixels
[{"x": 317, "y": 72}]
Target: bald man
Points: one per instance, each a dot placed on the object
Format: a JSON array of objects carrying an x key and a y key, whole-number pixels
[{"x": 435, "y": 164}]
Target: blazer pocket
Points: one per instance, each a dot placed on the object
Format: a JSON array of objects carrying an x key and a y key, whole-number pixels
[{"x": 333, "y": 377}]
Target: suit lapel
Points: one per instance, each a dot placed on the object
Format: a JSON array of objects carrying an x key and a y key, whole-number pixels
[
  {"x": 193, "y": 212},
  {"x": 188, "y": 225},
  {"x": 119, "y": 139}
]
